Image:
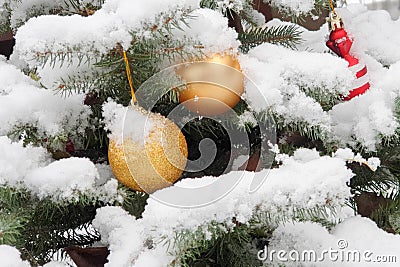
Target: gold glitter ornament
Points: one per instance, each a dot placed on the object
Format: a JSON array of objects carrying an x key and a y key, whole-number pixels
[
  {"x": 212, "y": 89},
  {"x": 152, "y": 164}
]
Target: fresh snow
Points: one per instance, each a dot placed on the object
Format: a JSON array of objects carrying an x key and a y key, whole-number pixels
[
  {"x": 11, "y": 157},
  {"x": 376, "y": 34},
  {"x": 64, "y": 180},
  {"x": 296, "y": 7},
  {"x": 303, "y": 181},
  {"x": 130, "y": 122},
  {"x": 23, "y": 9},
  {"x": 367, "y": 117},
  {"x": 100, "y": 32},
  {"x": 285, "y": 73},
  {"x": 216, "y": 38},
  {"x": 10, "y": 257},
  {"x": 24, "y": 103}
]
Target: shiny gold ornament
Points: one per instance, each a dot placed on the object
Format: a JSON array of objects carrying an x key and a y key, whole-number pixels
[
  {"x": 211, "y": 89},
  {"x": 155, "y": 164}
]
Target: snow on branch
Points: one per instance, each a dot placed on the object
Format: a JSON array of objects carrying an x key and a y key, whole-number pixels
[{"x": 306, "y": 181}]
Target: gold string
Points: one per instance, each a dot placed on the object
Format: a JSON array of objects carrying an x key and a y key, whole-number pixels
[
  {"x": 332, "y": 6},
  {"x": 128, "y": 74}
]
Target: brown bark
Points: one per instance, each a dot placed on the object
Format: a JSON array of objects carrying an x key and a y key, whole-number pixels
[
  {"x": 234, "y": 21},
  {"x": 88, "y": 257},
  {"x": 7, "y": 43},
  {"x": 263, "y": 8},
  {"x": 253, "y": 164},
  {"x": 368, "y": 203}
]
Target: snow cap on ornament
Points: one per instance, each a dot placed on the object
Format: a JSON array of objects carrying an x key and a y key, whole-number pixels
[{"x": 340, "y": 43}]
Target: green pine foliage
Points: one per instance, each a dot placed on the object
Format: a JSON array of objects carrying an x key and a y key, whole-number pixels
[
  {"x": 5, "y": 19},
  {"x": 39, "y": 228},
  {"x": 217, "y": 244},
  {"x": 383, "y": 183},
  {"x": 226, "y": 247},
  {"x": 285, "y": 35},
  {"x": 68, "y": 7}
]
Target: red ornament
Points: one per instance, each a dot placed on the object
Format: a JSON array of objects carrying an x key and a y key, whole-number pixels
[
  {"x": 340, "y": 43},
  {"x": 69, "y": 147}
]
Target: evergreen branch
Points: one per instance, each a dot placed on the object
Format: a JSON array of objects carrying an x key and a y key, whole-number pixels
[
  {"x": 269, "y": 220},
  {"x": 211, "y": 4},
  {"x": 82, "y": 8},
  {"x": 56, "y": 225},
  {"x": 226, "y": 247},
  {"x": 387, "y": 216},
  {"x": 232, "y": 244},
  {"x": 321, "y": 6},
  {"x": 297, "y": 16},
  {"x": 11, "y": 226},
  {"x": 285, "y": 35},
  {"x": 313, "y": 132},
  {"x": 4, "y": 27},
  {"x": 5, "y": 17},
  {"x": 393, "y": 217},
  {"x": 247, "y": 15},
  {"x": 108, "y": 77},
  {"x": 379, "y": 181},
  {"x": 31, "y": 134},
  {"x": 69, "y": 7},
  {"x": 324, "y": 97},
  {"x": 12, "y": 199},
  {"x": 40, "y": 227},
  {"x": 391, "y": 141},
  {"x": 134, "y": 202},
  {"x": 68, "y": 57},
  {"x": 385, "y": 180}
]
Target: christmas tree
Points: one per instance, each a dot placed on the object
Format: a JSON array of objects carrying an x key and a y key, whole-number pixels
[{"x": 198, "y": 133}]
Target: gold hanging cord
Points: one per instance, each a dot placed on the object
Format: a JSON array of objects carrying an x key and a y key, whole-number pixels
[
  {"x": 128, "y": 74},
  {"x": 332, "y": 6}
]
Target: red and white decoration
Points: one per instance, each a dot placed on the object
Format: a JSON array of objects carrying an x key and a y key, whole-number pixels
[{"x": 340, "y": 43}]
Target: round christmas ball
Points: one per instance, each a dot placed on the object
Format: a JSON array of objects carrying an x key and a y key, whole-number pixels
[
  {"x": 213, "y": 86},
  {"x": 150, "y": 156}
]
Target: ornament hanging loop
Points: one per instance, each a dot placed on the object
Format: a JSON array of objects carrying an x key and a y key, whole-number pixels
[{"x": 334, "y": 21}]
